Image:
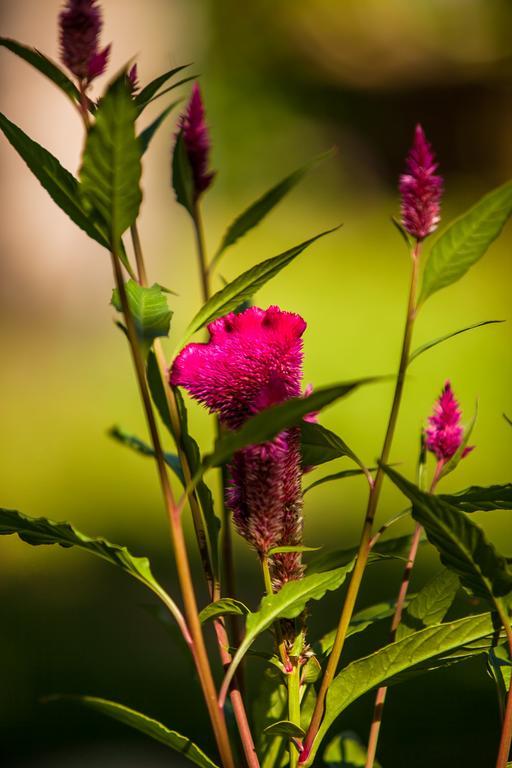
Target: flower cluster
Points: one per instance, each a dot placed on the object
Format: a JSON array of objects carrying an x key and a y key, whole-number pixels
[
  {"x": 80, "y": 26},
  {"x": 252, "y": 361},
  {"x": 197, "y": 141},
  {"x": 445, "y": 434},
  {"x": 421, "y": 189}
]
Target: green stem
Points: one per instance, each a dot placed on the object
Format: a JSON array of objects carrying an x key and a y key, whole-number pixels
[
  {"x": 373, "y": 499},
  {"x": 178, "y": 540},
  {"x": 269, "y": 589},
  {"x": 294, "y": 708}
]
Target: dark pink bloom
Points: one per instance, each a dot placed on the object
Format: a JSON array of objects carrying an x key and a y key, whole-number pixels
[
  {"x": 80, "y": 26},
  {"x": 133, "y": 79},
  {"x": 421, "y": 189},
  {"x": 254, "y": 360},
  {"x": 197, "y": 141},
  {"x": 445, "y": 433}
]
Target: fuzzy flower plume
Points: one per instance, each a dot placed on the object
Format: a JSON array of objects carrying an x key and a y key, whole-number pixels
[
  {"x": 197, "y": 141},
  {"x": 254, "y": 360},
  {"x": 80, "y": 26},
  {"x": 445, "y": 433},
  {"x": 421, "y": 189}
]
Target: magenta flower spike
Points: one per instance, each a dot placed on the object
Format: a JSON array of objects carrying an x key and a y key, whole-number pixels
[
  {"x": 133, "y": 79},
  {"x": 197, "y": 141},
  {"x": 445, "y": 433},
  {"x": 80, "y": 26},
  {"x": 254, "y": 360},
  {"x": 421, "y": 189}
]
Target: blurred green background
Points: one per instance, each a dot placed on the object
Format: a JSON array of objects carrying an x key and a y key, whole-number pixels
[{"x": 282, "y": 83}]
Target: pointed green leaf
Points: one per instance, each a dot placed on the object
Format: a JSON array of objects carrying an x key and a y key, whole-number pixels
[
  {"x": 146, "y": 725},
  {"x": 245, "y": 286},
  {"x": 424, "y": 347},
  {"x": 477, "y": 499},
  {"x": 148, "y": 307},
  {"x": 334, "y": 558},
  {"x": 259, "y": 209},
  {"x": 336, "y": 476},
  {"x": 268, "y": 423},
  {"x": 147, "y": 134},
  {"x": 146, "y": 94},
  {"x": 44, "y": 65},
  {"x": 427, "y": 649},
  {"x": 461, "y": 544},
  {"x": 320, "y": 445},
  {"x": 285, "y": 728},
  {"x": 286, "y": 549},
  {"x": 111, "y": 166},
  {"x": 430, "y": 604},
  {"x": 288, "y": 603},
  {"x": 226, "y": 606},
  {"x": 139, "y": 446},
  {"x": 466, "y": 240}
]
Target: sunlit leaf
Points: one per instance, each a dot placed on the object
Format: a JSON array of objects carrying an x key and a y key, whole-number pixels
[
  {"x": 424, "y": 347},
  {"x": 226, "y": 606},
  {"x": 346, "y": 751},
  {"x": 149, "y": 309},
  {"x": 285, "y": 728},
  {"x": 430, "y": 604},
  {"x": 336, "y": 476}
]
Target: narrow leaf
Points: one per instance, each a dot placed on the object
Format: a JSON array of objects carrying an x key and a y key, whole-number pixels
[
  {"x": 286, "y": 549},
  {"x": 430, "y": 604},
  {"x": 149, "y": 309},
  {"x": 245, "y": 285},
  {"x": 466, "y": 240},
  {"x": 335, "y": 558},
  {"x": 285, "y": 728},
  {"x": 44, "y": 65},
  {"x": 111, "y": 167},
  {"x": 227, "y": 606},
  {"x": 147, "y": 134},
  {"x": 139, "y": 446},
  {"x": 149, "y": 90},
  {"x": 424, "y": 347},
  {"x": 336, "y": 476},
  {"x": 477, "y": 499},
  {"x": 145, "y": 725}
]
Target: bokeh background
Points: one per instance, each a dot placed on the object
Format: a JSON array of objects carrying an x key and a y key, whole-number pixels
[{"x": 282, "y": 83}]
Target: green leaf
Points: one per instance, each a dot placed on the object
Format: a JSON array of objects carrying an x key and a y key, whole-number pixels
[
  {"x": 182, "y": 176},
  {"x": 461, "y": 544},
  {"x": 466, "y": 240},
  {"x": 288, "y": 603},
  {"x": 226, "y": 606},
  {"x": 245, "y": 285},
  {"x": 60, "y": 184},
  {"x": 156, "y": 388},
  {"x": 346, "y": 751},
  {"x": 336, "y": 476},
  {"x": 111, "y": 166},
  {"x": 44, "y": 65},
  {"x": 320, "y": 445},
  {"x": 286, "y": 549},
  {"x": 430, "y": 604},
  {"x": 259, "y": 209},
  {"x": 145, "y": 725},
  {"x": 427, "y": 649},
  {"x": 139, "y": 446},
  {"x": 477, "y": 499},
  {"x": 334, "y": 558},
  {"x": 285, "y": 728},
  {"x": 147, "y": 134},
  {"x": 268, "y": 423},
  {"x": 149, "y": 309},
  {"x": 424, "y": 347},
  {"x": 146, "y": 94}
]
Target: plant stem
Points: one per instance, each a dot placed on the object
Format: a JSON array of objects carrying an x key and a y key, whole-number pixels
[
  {"x": 506, "y": 730},
  {"x": 178, "y": 540},
  {"x": 201, "y": 253},
  {"x": 373, "y": 498},
  {"x": 294, "y": 708},
  {"x": 267, "y": 579}
]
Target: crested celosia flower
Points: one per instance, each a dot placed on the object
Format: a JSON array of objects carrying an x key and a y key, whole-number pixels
[
  {"x": 253, "y": 360},
  {"x": 197, "y": 141},
  {"x": 445, "y": 433},
  {"x": 80, "y": 27},
  {"x": 421, "y": 189}
]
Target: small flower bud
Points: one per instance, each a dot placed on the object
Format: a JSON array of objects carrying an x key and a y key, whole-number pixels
[
  {"x": 445, "y": 433},
  {"x": 197, "y": 141}
]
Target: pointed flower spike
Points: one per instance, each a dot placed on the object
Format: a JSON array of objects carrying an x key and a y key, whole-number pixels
[
  {"x": 445, "y": 433},
  {"x": 196, "y": 139},
  {"x": 80, "y": 25},
  {"x": 420, "y": 189},
  {"x": 133, "y": 79}
]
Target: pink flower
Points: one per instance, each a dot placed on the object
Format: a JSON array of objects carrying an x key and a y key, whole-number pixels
[
  {"x": 133, "y": 79},
  {"x": 197, "y": 141},
  {"x": 421, "y": 189},
  {"x": 254, "y": 360},
  {"x": 80, "y": 26},
  {"x": 445, "y": 433}
]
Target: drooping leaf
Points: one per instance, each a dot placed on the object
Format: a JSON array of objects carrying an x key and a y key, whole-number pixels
[
  {"x": 147, "y": 134},
  {"x": 461, "y": 544},
  {"x": 149, "y": 309},
  {"x": 422, "y": 651},
  {"x": 44, "y": 65},
  {"x": 466, "y": 240},
  {"x": 139, "y": 446},
  {"x": 478, "y": 499},
  {"x": 286, "y": 549},
  {"x": 424, "y": 347},
  {"x": 226, "y": 606},
  {"x": 182, "y": 176},
  {"x": 285, "y": 728},
  {"x": 346, "y": 750},
  {"x": 336, "y": 476},
  {"x": 430, "y": 604},
  {"x": 146, "y": 94},
  {"x": 261, "y": 207},
  {"x": 288, "y": 603},
  {"x": 245, "y": 286},
  {"x": 268, "y": 423},
  {"x": 145, "y": 725},
  {"x": 111, "y": 166},
  {"x": 320, "y": 445}
]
